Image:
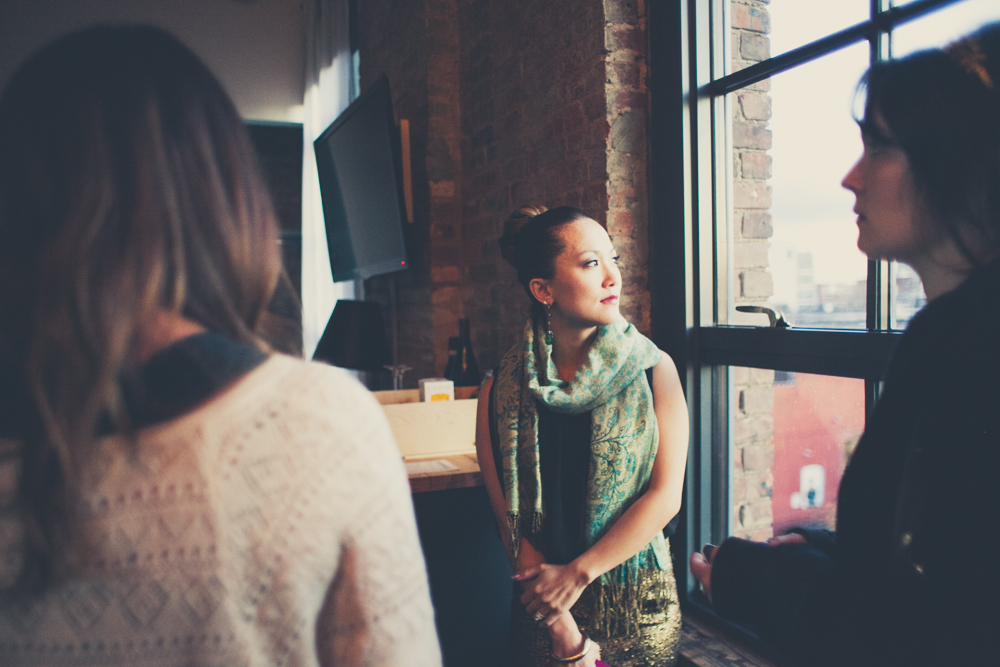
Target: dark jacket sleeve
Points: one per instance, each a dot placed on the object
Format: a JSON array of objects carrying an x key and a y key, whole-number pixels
[{"x": 933, "y": 603}]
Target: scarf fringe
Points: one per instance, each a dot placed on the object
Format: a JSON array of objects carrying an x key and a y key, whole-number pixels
[
  {"x": 624, "y": 594},
  {"x": 515, "y": 533}
]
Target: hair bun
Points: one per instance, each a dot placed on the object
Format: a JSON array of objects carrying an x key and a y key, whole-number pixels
[{"x": 511, "y": 226}]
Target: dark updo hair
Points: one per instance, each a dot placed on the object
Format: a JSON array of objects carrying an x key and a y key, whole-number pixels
[
  {"x": 531, "y": 240},
  {"x": 942, "y": 107}
]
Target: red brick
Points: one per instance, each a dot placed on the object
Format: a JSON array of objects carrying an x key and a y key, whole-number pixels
[
  {"x": 627, "y": 38},
  {"x": 755, "y": 106},
  {"x": 763, "y": 427},
  {"x": 757, "y": 225},
  {"x": 623, "y": 11},
  {"x": 739, "y": 489},
  {"x": 445, "y": 274},
  {"x": 750, "y": 255},
  {"x": 755, "y": 47},
  {"x": 622, "y": 196},
  {"x": 626, "y": 74},
  {"x": 756, "y": 19},
  {"x": 751, "y": 135},
  {"x": 756, "y": 284},
  {"x": 758, "y": 399},
  {"x": 622, "y": 100},
  {"x": 751, "y": 194},
  {"x": 755, "y": 165},
  {"x": 620, "y": 224},
  {"x": 595, "y": 106}
]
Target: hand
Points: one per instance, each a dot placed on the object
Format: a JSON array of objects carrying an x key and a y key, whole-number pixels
[
  {"x": 790, "y": 538},
  {"x": 567, "y": 640},
  {"x": 550, "y": 590},
  {"x": 701, "y": 568}
]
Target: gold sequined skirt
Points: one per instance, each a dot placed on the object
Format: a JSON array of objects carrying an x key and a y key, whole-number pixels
[{"x": 654, "y": 644}]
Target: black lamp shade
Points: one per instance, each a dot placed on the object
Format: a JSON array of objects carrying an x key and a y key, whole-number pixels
[{"x": 355, "y": 337}]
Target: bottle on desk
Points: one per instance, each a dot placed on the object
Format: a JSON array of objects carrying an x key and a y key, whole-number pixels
[{"x": 462, "y": 368}]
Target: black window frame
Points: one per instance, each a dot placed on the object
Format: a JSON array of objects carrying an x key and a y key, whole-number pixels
[{"x": 690, "y": 149}]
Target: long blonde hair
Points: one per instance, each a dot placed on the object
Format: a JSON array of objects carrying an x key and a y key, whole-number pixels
[{"x": 127, "y": 186}]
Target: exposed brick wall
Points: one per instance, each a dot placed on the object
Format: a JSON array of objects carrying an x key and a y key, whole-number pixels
[
  {"x": 625, "y": 89},
  {"x": 535, "y": 131},
  {"x": 554, "y": 113},
  {"x": 444, "y": 172},
  {"x": 511, "y": 102},
  {"x": 753, "y": 437}
]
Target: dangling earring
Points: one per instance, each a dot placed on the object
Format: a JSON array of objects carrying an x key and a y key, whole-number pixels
[{"x": 548, "y": 327}]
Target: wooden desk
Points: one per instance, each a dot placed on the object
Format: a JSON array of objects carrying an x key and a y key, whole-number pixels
[
  {"x": 428, "y": 432},
  {"x": 467, "y": 475},
  {"x": 468, "y": 572}
]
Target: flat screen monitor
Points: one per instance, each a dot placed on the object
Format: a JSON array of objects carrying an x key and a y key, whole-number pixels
[{"x": 360, "y": 178}]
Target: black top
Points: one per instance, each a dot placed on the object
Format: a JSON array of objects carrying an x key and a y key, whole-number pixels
[
  {"x": 172, "y": 382},
  {"x": 564, "y": 457},
  {"x": 910, "y": 576}
]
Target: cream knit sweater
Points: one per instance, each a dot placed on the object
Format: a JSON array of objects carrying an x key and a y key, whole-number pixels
[{"x": 271, "y": 526}]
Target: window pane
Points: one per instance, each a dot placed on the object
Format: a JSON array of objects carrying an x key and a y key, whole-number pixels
[
  {"x": 794, "y": 22},
  {"x": 943, "y": 26},
  {"x": 795, "y": 237},
  {"x": 793, "y": 434},
  {"x": 907, "y": 295}
]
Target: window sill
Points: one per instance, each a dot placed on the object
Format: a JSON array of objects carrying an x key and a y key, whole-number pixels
[{"x": 705, "y": 646}]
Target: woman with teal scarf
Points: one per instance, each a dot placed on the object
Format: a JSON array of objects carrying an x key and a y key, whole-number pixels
[{"x": 582, "y": 439}]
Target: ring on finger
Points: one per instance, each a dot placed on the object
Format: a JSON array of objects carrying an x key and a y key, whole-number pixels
[{"x": 538, "y": 617}]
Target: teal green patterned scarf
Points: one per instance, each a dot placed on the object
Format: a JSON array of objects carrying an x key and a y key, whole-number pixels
[{"x": 611, "y": 383}]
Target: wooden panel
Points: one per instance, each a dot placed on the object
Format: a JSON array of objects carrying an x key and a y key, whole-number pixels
[{"x": 425, "y": 430}]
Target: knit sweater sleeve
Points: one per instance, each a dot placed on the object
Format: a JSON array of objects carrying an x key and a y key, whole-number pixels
[{"x": 377, "y": 609}]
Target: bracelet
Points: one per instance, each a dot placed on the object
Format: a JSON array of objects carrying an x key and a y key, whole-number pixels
[{"x": 579, "y": 656}]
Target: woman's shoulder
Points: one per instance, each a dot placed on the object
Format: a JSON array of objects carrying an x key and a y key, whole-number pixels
[
  {"x": 664, "y": 368},
  {"x": 303, "y": 405},
  {"x": 306, "y": 384}
]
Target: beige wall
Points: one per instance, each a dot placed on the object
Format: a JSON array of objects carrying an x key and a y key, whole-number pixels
[{"x": 255, "y": 47}]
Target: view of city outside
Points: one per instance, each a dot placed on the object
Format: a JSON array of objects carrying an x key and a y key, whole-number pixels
[
  {"x": 817, "y": 423},
  {"x": 793, "y": 433}
]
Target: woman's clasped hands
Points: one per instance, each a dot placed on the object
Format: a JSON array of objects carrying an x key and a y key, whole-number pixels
[{"x": 550, "y": 590}]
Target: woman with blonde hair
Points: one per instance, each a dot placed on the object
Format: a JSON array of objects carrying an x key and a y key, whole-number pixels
[
  {"x": 582, "y": 438},
  {"x": 171, "y": 491}
]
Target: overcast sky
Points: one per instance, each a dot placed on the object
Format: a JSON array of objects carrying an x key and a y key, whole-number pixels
[{"x": 815, "y": 138}]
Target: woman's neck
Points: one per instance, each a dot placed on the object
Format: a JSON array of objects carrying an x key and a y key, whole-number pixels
[
  {"x": 570, "y": 346},
  {"x": 940, "y": 279},
  {"x": 161, "y": 331},
  {"x": 943, "y": 267}
]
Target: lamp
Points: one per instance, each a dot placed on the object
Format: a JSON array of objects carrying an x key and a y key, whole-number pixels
[{"x": 355, "y": 338}]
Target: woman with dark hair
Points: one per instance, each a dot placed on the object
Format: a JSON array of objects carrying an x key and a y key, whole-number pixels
[
  {"x": 909, "y": 577},
  {"x": 171, "y": 492},
  {"x": 582, "y": 438}
]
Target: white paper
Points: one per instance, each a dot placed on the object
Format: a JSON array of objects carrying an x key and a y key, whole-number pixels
[{"x": 437, "y": 465}]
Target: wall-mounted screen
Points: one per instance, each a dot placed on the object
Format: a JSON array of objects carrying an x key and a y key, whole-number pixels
[{"x": 360, "y": 176}]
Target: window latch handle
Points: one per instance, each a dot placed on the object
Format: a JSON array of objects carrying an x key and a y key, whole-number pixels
[{"x": 776, "y": 319}]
